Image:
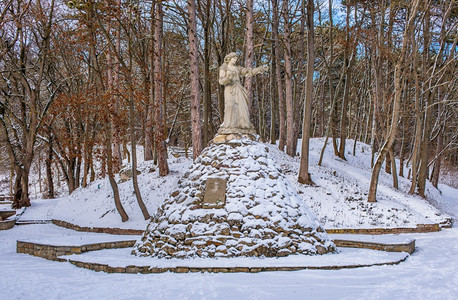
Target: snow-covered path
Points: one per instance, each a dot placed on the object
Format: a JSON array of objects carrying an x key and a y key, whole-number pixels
[{"x": 430, "y": 273}]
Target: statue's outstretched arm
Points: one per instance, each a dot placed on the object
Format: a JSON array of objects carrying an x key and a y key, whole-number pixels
[{"x": 250, "y": 72}]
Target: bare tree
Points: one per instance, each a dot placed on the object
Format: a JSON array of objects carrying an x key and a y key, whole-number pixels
[
  {"x": 195, "y": 90},
  {"x": 158, "y": 99},
  {"x": 304, "y": 175},
  {"x": 207, "y": 16},
  {"x": 398, "y": 73},
  {"x": 249, "y": 45},
  {"x": 290, "y": 136},
  {"x": 25, "y": 104},
  {"x": 281, "y": 99}
]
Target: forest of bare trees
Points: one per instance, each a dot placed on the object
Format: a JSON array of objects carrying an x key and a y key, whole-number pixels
[{"x": 83, "y": 82}]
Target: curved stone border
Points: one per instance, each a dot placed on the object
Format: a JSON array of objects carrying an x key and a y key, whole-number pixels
[
  {"x": 117, "y": 231},
  {"x": 52, "y": 252},
  {"x": 420, "y": 228},
  {"x": 150, "y": 270}
]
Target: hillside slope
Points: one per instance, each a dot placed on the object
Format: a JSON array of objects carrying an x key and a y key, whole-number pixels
[{"x": 339, "y": 198}]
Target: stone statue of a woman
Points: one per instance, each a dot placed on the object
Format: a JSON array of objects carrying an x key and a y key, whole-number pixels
[{"x": 236, "y": 112}]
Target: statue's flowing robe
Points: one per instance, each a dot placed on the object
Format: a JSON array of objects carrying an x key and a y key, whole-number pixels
[{"x": 236, "y": 106}]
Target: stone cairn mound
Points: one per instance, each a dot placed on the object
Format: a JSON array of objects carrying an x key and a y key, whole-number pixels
[{"x": 260, "y": 215}]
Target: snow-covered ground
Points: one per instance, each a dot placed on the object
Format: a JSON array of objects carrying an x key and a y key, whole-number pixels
[
  {"x": 338, "y": 200},
  {"x": 94, "y": 205},
  {"x": 430, "y": 273},
  {"x": 344, "y": 257}
]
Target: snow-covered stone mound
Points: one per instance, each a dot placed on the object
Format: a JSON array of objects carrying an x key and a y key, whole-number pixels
[{"x": 262, "y": 216}]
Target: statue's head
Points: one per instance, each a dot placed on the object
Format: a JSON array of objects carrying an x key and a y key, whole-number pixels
[{"x": 228, "y": 57}]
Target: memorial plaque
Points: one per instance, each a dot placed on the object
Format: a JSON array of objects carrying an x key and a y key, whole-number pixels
[{"x": 215, "y": 193}]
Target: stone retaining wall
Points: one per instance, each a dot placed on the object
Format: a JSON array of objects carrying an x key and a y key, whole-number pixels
[
  {"x": 117, "y": 231},
  {"x": 406, "y": 247},
  {"x": 8, "y": 224},
  {"x": 149, "y": 270},
  {"x": 421, "y": 228},
  {"x": 53, "y": 252}
]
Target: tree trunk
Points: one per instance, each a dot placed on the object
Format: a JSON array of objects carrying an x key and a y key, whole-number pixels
[
  {"x": 249, "y": 44},
  {"x": 29, "y": 54},
  {"x": 424, "y": 148},
  {"x": 114, "y": 185},
  {"x": 158, "y": 100},
  {"x": 117, "y": 157},
  {"x": 403, "y": 132},
  {"x": 18, "y": 201},
  {"x": 388, "y": 163},
  {"x": 149, "y": 134},
  {"x": 304, "y": 175},
  {"x": 207, "y": 77},
  {"x": 346, "y": 96},
  {"x": 393, "y": 169},
  {"x": 108, "y": 130},
  {"x": 401, "y": 158},
  {"x": 195, "y": 91},
  {"x": 86, "y": 152},
  {"x": 273, "y": 95},
  {"x": 396, "y": 106},
  {"x": 21, "y": 188},
  {"x": 281, "y": 101},
  {"x": 331, "y": 93},
  {"x": 299, "y": 88},
  {"x": 149, "y": 130},
  {"x": 133, "y": 141},
  {"x": 441, "y": 96},
  {"x": 137, "y": 192},
  {"x": 288, "y": 82},
  {"x": 390, "y": 138},
  {"x": 87, "y": 165},
  {"x": 437, "y": 162},
  {"x": 418, "y": 130},
  {"x": 78, "y": 172},
  {"x": 48, "y": 163},
  {"x": 261, "y": 108}
]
